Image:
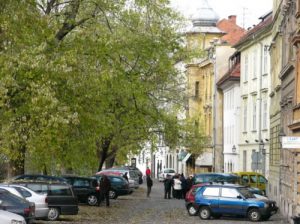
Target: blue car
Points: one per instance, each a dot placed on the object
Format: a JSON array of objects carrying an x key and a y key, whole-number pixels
[{"x": 216, "y": 200}]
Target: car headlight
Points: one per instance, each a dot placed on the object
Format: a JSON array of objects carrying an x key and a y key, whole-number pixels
[{"x": 16, "y": 222}]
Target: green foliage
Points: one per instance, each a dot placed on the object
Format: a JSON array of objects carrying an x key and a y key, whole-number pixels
[{"x": 74, "y": 73}]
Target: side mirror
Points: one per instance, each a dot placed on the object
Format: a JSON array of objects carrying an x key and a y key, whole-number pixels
[{"x": 239, "y": 197}]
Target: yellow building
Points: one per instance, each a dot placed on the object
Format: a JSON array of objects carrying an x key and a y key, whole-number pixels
[{"x": 200, "y": 76}]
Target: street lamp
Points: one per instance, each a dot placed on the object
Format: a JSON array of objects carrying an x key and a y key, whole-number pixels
[
  {"x": 281, "y": 135},
  {"x": 233, "y": 149}
]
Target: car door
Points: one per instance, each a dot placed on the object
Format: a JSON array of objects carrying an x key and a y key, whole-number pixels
[
  {"x": 210, "y": 196},
  {"x": 261, "y": 182},
  {"x": 230, "y": 201},
  {"x": 81, "y": 187}
]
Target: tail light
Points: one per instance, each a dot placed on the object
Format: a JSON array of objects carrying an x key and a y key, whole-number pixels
[
  {"x": 46, "y": 200},
  {"x": 27, "y": 211}
]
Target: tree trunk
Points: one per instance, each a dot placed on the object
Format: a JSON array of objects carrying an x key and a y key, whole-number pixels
[
  {"x": 110, "y": 161},
  {"x": 103, "y": 147}
]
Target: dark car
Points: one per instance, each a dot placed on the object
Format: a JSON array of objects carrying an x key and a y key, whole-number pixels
[
  {"x": 235, "y": 200},
  {"x": 84, "y": 188},
  {"x": 15, "y": 204},
  {"x": 215, "y": 177},
  {"x": 61, "y": 198},
  {"x": 119, "y": 185},
  {"x": 39, "y": 177}
]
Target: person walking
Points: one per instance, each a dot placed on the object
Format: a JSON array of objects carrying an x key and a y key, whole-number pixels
[
  {"x": 149, "y": 185},
  {"x": 148, "y": 171},
  {"x": 168, "y": 182},
  {"x": 183, "y": 185},
  {"x": 104, "y": 190}
]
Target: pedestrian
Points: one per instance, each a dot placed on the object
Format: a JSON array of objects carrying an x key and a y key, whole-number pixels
[
  {"x": 149, "y": 185},
  {"x": 189, "y": 182},
  {"x": 183, "y": 186},
  {"x": 148, "y": 171},
  {"x": 104, "y": 190},
  {"x": 177, "y": 187},
  {"x": 168, "y": 185},
  {"x": 126, "y": 177}
]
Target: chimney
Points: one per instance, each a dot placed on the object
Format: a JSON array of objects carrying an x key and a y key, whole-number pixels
[{"x": 232, "y": 18}]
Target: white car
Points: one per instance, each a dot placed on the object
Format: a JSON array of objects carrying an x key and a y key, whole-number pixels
[
  {"x": 167, "y": 171},
  {"x": 11, "y": 190},
  {"x": 10, "y": 218},
  {"x": 40, "y": 200}
]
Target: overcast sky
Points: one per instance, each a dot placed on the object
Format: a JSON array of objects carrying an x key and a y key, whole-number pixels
[{"x": 247, "y": 11}]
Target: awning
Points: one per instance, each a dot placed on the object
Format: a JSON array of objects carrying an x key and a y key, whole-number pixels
[
  {"x": 205, "y": 159},
  {"x": 186, "y": 157}
]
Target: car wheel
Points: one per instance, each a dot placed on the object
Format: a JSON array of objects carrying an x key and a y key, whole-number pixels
[
  {"x": 254, "y": 215},
  {"x": 53, "y": 214},
  {"x": 92, "y": 200},
  {"x": 192, "y": 210},
  {"x": 204, "y": 212},
  {"x": 113, "y": 194}
]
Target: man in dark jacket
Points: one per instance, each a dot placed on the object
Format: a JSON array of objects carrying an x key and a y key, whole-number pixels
[
  {"x": 149, "y": 185},
  {"x": 168, "y": 182},
  {"x": 104, "y": 189}
]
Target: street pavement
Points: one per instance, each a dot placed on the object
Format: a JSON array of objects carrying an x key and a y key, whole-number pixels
[{"x": 137, "y": 208}]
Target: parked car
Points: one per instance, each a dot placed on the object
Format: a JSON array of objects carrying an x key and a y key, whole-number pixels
[
  {"x": 11, "y": 218},
  {"x": 216, "y": 200},
  {"x": 135, "y": 169},
  {"x": 191, "y": 206},
  {"x": 163, "y": 174},
  {"x": 15, "y": 204},
  {"x": 253, "y": 179},
  {"x": 39, "y": 177},
  {"x": 11, "y": 190},
  {"x": 215, "y": 178},
  {"x": 61, "y": 198},
  {"x": 119, "y": 185},
  {"x": 85, "y": 188},
  {"x": 133, "y": 178},
  {"x": 40, "y": 200}
]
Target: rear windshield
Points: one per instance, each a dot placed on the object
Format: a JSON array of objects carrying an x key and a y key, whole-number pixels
[
  {"x": 39, "y": 188},
  {"x": 9, "y": 199}
]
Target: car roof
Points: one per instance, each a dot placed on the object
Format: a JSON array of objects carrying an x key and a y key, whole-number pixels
[{"x": 225, "y": 185}]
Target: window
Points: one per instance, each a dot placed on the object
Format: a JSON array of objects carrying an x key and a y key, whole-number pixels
[
  {"x": 254, "y": 64},
  {"x": 245, "y": 179},
  {"x": 59, "y": 190},
  {"x": 245, "y": 116},
  {"x": 254, "y": 114},
  {"x": 229, "y": 193},
  {"x": 81, "y": 183},
  {"x": 265, "y": 60},
  {"x": 39, "y": 188},
  {"x": 253, "y": 179},
  {"x": 23, "y": 192},
  {"x": 262, "y": 180},
  {"x": 211, "y": 191},
  {"x": 246, "y": 69},
  {"x": 197, "y": 89},
  {"x": 265, "y": 114}
]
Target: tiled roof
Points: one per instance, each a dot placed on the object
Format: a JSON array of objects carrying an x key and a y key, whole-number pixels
[
  {"x": 231, "y": 75},
  {"x": 232, "y": 30}
]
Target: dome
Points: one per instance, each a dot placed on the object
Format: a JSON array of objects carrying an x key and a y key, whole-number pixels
[{"x": 204, "y": 15}]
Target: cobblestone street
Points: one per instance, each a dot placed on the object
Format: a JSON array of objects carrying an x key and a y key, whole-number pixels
[{"x": 137, "y": 208}]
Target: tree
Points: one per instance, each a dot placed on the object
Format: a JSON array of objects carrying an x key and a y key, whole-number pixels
[{"x": 86, "y": 79}]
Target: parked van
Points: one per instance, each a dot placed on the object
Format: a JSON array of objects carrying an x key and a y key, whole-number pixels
[{"x": 253, "y": 179}]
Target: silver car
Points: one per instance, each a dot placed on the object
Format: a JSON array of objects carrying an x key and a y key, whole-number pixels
[
  {"x": 9, "y": 218},
  {"x": 40, "y": 200}
]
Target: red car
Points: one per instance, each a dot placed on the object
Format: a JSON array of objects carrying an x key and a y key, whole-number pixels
[{"x": 191, "y": 207}]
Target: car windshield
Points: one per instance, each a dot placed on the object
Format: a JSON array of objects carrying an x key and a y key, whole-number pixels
[
  {"x": 205, "y": 178},
  {"x": 246, "y": 193}
]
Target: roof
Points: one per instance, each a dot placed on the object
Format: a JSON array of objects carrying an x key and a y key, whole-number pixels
[
  {"x": 231, "y": 75},
  {"x": 232, "y": 30},
  {"x": 258, "y": 29}
]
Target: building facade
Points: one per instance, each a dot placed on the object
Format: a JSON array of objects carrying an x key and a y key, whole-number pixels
[{"x": 255, "y": 87}]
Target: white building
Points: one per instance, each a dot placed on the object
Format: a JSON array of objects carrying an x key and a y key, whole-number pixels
[
  {"x": 255, "y": 101},
  {"x": 230, "y": 85}
]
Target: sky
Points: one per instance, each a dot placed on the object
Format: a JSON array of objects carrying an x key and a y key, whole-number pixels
[{"x": 247, "y": 11}]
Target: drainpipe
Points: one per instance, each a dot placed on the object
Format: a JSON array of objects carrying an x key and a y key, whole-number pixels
[{"x": 261, "y": 150}]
